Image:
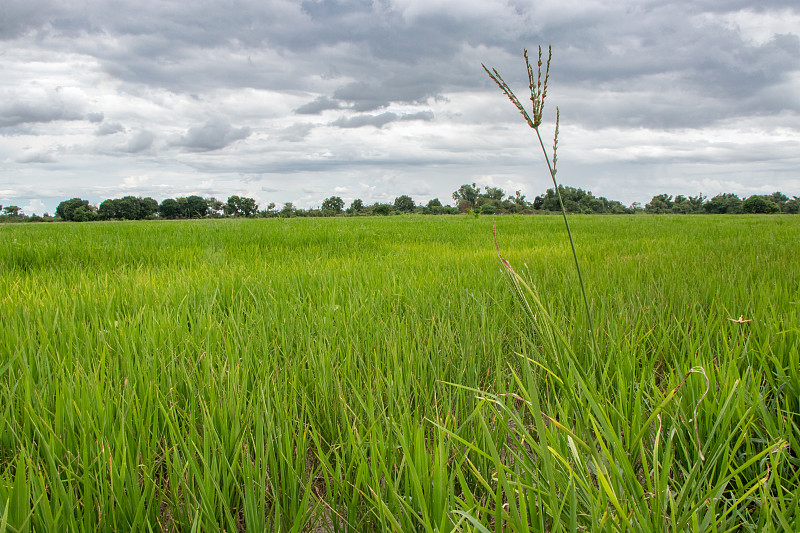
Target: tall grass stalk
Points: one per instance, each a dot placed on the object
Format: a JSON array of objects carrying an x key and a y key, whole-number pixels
[
  {"x": 576, "y": 447},
  {"x": 538, "y": 90}
]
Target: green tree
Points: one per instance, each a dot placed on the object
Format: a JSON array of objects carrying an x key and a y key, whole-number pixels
[
  {"x": 84, "y": 213},
  {"x": 467, "y": 194},
  {"x": 381, "y": 209},
  {"x": 519, "y": 200},
  {"x": 12, "y": 210},
  {"x": 248, "y": 206},
  {"x": 107, "y": 210},
  {"x": 434, "y": 206},
  {"x": 726, "y": 203},
  {"x": 494, "y": 193},
  {"x": 660, "y": 204},
  {"x": 240, "y": 206},
  {"x": 682, "y": 206},
  {"x": 356, "y": 206},
  {"x": 697, "y": 202},
  {"x": 169, "y": 208},
  {"x": 148, "y": 207},
  {"x": 231, "y": 207},
  {"x": 404, "y": 204},
  {"x": 332, "y": 206},
  {"x": 129, "y": 208},
  {"x": 195, "y": 207},
  {"x": 288, "y": 210},
  {"x": 792, "y": 206},
  {"x": 66, "y": 209},
  {"x": 759, "y": 204}
]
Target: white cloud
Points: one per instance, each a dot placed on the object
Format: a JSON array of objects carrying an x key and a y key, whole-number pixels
[{"x": 34, "y": 207}]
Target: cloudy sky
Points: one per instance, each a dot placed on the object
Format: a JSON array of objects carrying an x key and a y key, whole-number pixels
[{"x": 290, "y": 101}]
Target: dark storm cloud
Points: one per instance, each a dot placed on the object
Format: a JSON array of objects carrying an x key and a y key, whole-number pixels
[
  {"x": 359, "y": 121},
  {"x": 380, "y": 120},
  {"x": 402, "y": 58},
  {"x": 14, "y": 112},
  {"x": 213, "y": 135},
  {"x": 322, "y": 103}
]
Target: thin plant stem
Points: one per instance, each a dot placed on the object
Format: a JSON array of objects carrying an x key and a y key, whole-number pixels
[
  {"x": 538, "y": 90},
  {"x": 569, "y": 232}
]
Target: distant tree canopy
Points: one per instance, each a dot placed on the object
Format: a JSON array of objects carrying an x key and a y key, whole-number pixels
[
  {"x": 77, "y": 210},
  {"x": 333, "y": 205},
  {"x": 240, "y": 207},
  {"x": 577, "y": 200},
  {"x": 128, "y": 208},
  {"x": 404, "y": 204},
  {"x": 472, "y": 198},
  {"x": 188, "y": 207},
  {"x": 356, "y": 207},
  {"x": 760, "y": 204}
]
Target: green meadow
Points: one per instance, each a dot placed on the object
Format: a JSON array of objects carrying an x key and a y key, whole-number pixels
[{"x": 389, "y": 374}]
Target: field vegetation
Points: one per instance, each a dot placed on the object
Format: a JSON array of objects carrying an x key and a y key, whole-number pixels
[{"x": 390, "y": 374}]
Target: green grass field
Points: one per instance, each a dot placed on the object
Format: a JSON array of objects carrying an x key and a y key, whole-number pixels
[{"x": 383, "y": 374}]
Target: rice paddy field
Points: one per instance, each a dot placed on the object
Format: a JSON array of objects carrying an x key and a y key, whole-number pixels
[{"x": 389, "y": 374}]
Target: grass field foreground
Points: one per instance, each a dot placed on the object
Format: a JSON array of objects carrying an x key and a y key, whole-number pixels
[{"x": 381, "y": 374}]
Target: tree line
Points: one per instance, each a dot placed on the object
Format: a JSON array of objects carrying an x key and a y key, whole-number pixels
[{"x": 469, "y": 198}]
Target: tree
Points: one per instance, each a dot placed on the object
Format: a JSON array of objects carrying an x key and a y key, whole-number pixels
[
  {"x": 84, "y": 213},
  {"x": 196, "y": 207},
  {"x": 66, "y": 209},
  {"x": 760, "y": 204},
  {"x": 231, "y": 207},
  {"x": 381, "y": 209},
  {"x": 288, "y": 209},
  {"x": 660, "y": 204},
  {"x": 494, "y": 193},
  {"x": 697, "y": 202},
  {"x": 12, "y": 210},
  {"x": 169, "y": 208},
  {"x": 332, "y": 206},
  {"x": 148, "y": 207},
  {"x": 404, "y": 204},
  {"x": 682, "y": 206},
  {"x": 129, "y": 208},
  {"x": 519, "y": 200},
  {"x": 724, "y": 203},
  {"x": 467, "y": 194},
  {"x": 107, "y": 210},
  {"x": 248, "y": 207},
  {"x": 240, "y": 206},
  {"x": 356, "y": 206},
  {"x": 780, "y": 199},
  {"x": 792, "y": 206},
  {"x": 434, "y": 207}
]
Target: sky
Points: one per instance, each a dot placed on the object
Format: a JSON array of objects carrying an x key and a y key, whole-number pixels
[{"x": 296, "y": 101}]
